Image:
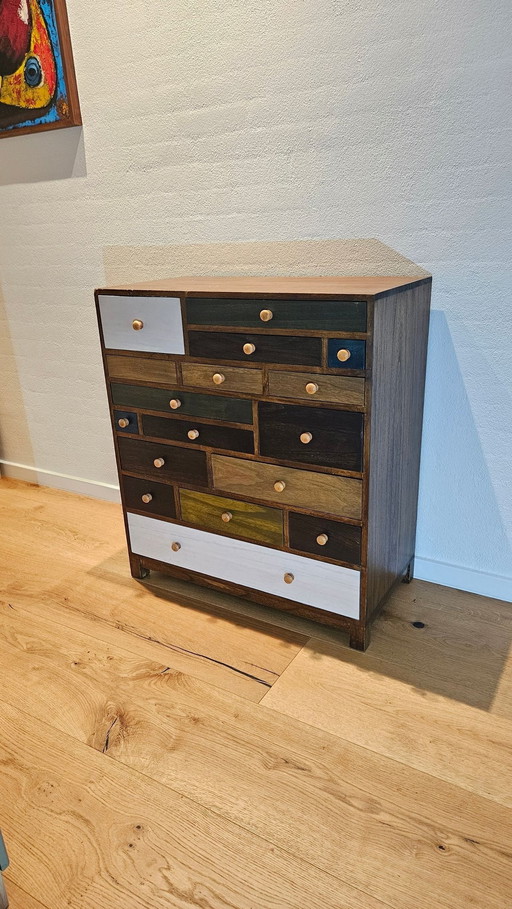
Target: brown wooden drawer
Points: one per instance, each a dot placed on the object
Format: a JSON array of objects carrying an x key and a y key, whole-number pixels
[
  {"x": 208, "y": 434},
  {"x": 318, "y": 492},
  {"x": 162, "y": 496},
  {"x": 219, "y": 345},
  {"x": 241, "y": 519},
  {"x": 179, "y": 464},
  {"x": 314, "y": 387},
  {"x": 224, "y": 378},
  {"x": 335, "y": 436},
  {"x": 330, "y": 539},
  {"x": 143, "y": 369}
]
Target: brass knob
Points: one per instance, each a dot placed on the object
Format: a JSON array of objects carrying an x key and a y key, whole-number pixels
[
  {"x": 218, "y": 378},
  {"x": 159, "y": 462},
  {"x": 147, "y": 498},
  {"x": 289, "y": 578},
  {"x": 123, "y": 422},
  {"x": 249, "y": 348},
  {"x": 193, "y": 433},
  {"x": 322, "y": 539},
  {"x": 279, "y": 486},
  {"x": 175, "y": 403},
  {"x": 175, "y": 547},
  {"x": 137, "y": 324},
  {"x": 306, "y": 437},
  {"x": 226, "y": 516},
  {"x": 266, "y": 315},
  {"x": 311, "y": 388},
  {"x": 343, "y": 355}
]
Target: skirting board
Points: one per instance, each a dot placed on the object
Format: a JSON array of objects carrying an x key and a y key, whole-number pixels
[{"x": 479, "y": 582}]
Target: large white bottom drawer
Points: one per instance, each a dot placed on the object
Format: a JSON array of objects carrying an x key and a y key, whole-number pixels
[{"x": 314, "y": 583}]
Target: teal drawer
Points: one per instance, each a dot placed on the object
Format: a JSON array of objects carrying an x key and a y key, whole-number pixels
[{"x": 214, "y": 407}]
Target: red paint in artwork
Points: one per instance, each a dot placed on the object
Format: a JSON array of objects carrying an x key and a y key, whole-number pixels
[{"x": 15, "y": 28}]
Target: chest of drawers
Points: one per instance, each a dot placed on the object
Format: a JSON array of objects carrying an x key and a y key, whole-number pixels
[{"x": 267, "y": 434}]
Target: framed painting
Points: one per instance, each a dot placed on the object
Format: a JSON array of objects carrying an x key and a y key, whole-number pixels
[{"x": 37, "y": 76}]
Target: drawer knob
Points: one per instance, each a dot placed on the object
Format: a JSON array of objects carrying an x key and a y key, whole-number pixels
[
  {"x": 249, "y": 348},
  {"x": 266, "y": 315},
  {"x": 175, "y": 546},
  {"x": 343, "y": 355},
  {"x": 137, "y": 324},
  {"x": 123, "y": 422},
  {"x": 311, "y": 388},
  {"x": 322, "y": 539},
  {"x": 279, "y": 486},
  {"x": 226, "y": 516},
  {"x": 306, "y": 437},
  {"x": 218, "y": 378},
  {"x": 147, "y": 498},
  {"x": 175, "y": 403},
  {"x": 289, "y": 578},
  {"x": 159, "y": 462},
  {"x": 193, "y": 434}
]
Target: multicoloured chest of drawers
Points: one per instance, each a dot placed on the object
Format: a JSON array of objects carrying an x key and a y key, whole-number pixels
[{"x": 267, "y": 433}]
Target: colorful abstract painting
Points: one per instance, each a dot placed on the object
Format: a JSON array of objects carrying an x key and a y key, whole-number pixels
[{"x": 37, "y": 79}]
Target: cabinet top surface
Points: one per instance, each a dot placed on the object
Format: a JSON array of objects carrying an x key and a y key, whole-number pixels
[{"x": 336, "y": 286}]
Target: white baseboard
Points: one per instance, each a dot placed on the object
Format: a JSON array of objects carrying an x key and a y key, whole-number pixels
[
  {"x": 482, "y": 582},
  {"x": 52, "y": 478}
]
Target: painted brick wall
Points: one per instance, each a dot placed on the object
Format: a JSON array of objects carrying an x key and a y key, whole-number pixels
[{"x": 251, "y": 121}]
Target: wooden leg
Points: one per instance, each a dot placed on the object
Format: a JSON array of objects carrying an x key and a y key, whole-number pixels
[
  {"x": 409, "y": 574},
  {"x": 360, "y": 637},
  {"x": 136, "y": 567}
]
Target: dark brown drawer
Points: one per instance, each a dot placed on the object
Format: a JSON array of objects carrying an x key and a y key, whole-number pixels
[
  {"x": 311, "y": 435},
  {"x": 161, "y": 501},
  {"x": 194, "y": 432},
  {"x": 218, "y": 345},
  {"x": 179, "y": 464},
  {"x": 330, "y": 315},
  {"x": 216, "y": 407},
  {"x": 330, "y": 539}
]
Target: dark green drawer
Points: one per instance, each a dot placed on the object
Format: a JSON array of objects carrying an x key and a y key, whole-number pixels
[
  {"x": 328, "y": 315},
  {"x": 336, "y": 435},
  {"x": 194, "y": 432},
  {"x": 215, "y": 407},
  {"x": 217, "y": 345}
]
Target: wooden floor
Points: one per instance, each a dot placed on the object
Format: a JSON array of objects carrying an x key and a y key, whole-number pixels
[{"x": 156, "y": 751}]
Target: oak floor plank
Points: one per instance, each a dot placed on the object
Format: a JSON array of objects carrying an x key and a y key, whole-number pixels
[{"x": 20, "y": 899}]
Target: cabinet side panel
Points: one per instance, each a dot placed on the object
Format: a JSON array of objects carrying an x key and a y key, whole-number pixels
[{"x": 400, "y": 335}]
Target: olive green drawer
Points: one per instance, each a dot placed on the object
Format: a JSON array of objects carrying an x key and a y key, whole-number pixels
[{"x": 241, "y": 519}]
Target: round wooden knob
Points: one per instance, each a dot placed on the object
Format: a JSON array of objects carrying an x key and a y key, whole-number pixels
[
  {"x": 279, "y": 486},
  {"x": 137, "y": 324},
  {"x": 123, "y": 422},
  {"x": 147, "y": 498},
  {"x": 218, "y": 378},
  {"x": 193, "y": 434},
  {"x": 311, "y": 388},
  {"x": 175, "y": 403},
  {"x": 343, "y": 355},
  {"x": 266, "y": 315},
  {"x": 289, "y": 578},
  {"x": 249, "y": 348},
  {"x": 306, "y": 437},
  {"x": 226, "y": 516},
  {"x": 175, "y": 547},
  {"x": 159, "y": 462},
  {"x": 322, "y": 539}
]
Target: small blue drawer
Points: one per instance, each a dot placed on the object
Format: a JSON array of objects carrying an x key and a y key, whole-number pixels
[
  {"x": 120, "y": 425},
  {"x": 356, "y": 349}
]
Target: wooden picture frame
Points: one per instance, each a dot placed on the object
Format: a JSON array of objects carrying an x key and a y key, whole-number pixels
[{"x": 38, "y": 88}]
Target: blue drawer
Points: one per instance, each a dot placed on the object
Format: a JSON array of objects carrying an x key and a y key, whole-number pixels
[
  {"x": 356, "y": 349},
  {"x": 132, "y": 427}
]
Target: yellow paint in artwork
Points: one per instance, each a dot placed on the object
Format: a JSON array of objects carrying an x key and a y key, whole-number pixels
[{"x": 14, "y": 89}]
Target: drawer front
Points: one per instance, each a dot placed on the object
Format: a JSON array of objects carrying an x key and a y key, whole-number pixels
[
  {"x": 217, "y": 345},
  {"x": 315, "y": 387},
  {"x": 126, "y": 422},
  {"x": 330, "y": 539},
  {"x": 329, "y": 315},
  {"x": 319, "y": 584},
  {"x": 215, "y": 407},
  {"x": 302, "y": 488},
  {"x": 179, "y": 464},
  {"x": 335, "y": 436},
  {"x": 242, "y": 519},
  {"x": 225, "y": 378},
  {"x": 208, "y": 434},
  {"x": 144, "y": 369},
  {"x": 337, "y": 350},
  {"x": 158, "y": 320},
  {"x": 161, "y": 501}
]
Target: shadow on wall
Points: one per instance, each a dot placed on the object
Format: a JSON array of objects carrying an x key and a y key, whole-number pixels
[{"x": 37, "y": 157}]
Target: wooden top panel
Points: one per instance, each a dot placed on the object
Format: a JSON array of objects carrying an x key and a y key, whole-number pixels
[{"x": 339, "y": 286}]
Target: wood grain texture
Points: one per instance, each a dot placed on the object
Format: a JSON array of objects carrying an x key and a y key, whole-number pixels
[
  {"x": 357, "y": 350},
  {"x": 216, "y": 407},
  {"x": 162, "y": 496},
  {"x": 303, "y": 285},
  {"x": 210, "y": 435},
  {"x": 182, "y": 465},
  {"x": 18, "y": 898},
  {"x": 254, "y": 522},
  {"x": 330, "y": 315},
  {"x": 145, "y": 369},
  {"x": 343, "y": 543},
  {"x": 337, "y": 435},
  {"x": 236, "y": 379},
  {"x": 331, "y": 389},
  {"x": 268, "y": 348}
]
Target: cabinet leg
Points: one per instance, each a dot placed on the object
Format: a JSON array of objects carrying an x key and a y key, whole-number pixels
[
  {"x": 360, "y": 637},
  {"x": 136, "y": 567},
  {"x": 409, "y": 574}
]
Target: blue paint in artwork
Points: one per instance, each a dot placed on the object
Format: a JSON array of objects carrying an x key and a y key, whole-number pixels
[{"x": 357, "y": 353}]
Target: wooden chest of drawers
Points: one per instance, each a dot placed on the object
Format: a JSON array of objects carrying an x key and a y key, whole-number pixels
[{"x": 267, "y": 433}]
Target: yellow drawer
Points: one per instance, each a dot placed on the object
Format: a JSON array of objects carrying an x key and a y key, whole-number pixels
[
  {"x": 316, "y": 387},
  {"x": 225, "y": 378},
  {"x": 241, "y": 519}
]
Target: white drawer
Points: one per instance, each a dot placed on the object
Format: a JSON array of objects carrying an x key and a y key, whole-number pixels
[
  {"x": 162, "y": 330},
  {"x": 318, "y": 584}
]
